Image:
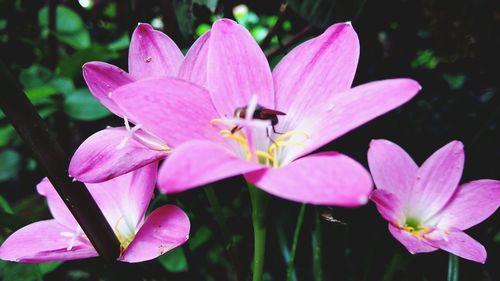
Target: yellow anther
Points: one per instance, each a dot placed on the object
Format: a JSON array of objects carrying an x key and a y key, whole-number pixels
[{"x": 291, "y": 133}]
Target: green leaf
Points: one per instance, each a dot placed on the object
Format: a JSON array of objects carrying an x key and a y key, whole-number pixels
[
  {"x": 35, "y": 76},
  {"x": 48, "y": 267},
  {"x": 5, "y": 206},
  {"x": 71, "y": 66},
  {"x": 184, "y": 14},
  {"x": 11, "y": 271},
  {"x": 70, "y": 28},
  {"x": 9, "y": 164},
  {"x": 121, "y": 43},
  {"x": 174, "y": 260},
  {"x": 456, "y": 82},
  {"x": 200, "y": 237},
  {"x": 7, "y": 133},
  {"x": 323, "y": 13},
  {"x": 81, "y": 105},
  {"x": 41, "y": 93}
]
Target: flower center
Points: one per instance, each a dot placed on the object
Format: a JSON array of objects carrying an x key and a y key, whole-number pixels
[
  {"x": 268, "y": 155},
  {"x": 413, "y": 226},
  {"x": 125, "y": 237}
]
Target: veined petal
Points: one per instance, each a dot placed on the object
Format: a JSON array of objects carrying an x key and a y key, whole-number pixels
[
  {"x": 413, "y": 244},
  {"x": 45, "y": 241},
  {"x": 194, "y": 66},
  {"x": 327, "y": 178},
  {"x": 166, "y": 228},
  {"x": 388, "y": 205},
  {"x": 316, "y": 70},
  {"x": 124, "y": 199},
  {"x": 437, "y": 180},
  {"x": 152, "y": 54},
  {"x": 459, "y": 244},
  {"x": 99, "y": 157},
  {"x": 471, "y": 203},
  {"x": 238, "y": 69},
  {"x": 173, "y": 109},
  {"x": 103, "y": 78},
  {"x": 57, "y": 207},
  {"x": 200, "y": 162},
  {"x": 350, "y": 109},
  {"x": 392, "y": 169}
]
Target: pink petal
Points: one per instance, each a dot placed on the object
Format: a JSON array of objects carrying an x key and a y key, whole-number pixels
[
  {"x": 172, "y": 109},
  {"x": 200, "y": 162},
  {"x": 103, "y": 78},
  {"x": 166, "y": 228},
  {"x": 327, "y": 178},
  {"x": 194, "y": 66},
  {"x": 471, "y": 203},
  {"x": 413, "y": 244},
  {"x": 126, "y": 197},
  {"x": 317, "y": 70},
  {"x": 99, "y": 159},
  {"x": 437, "y": 180},
  {"x": 388, "y": 205},
  {"x": 459, "y": 244},
  {"x": 43, "y": 242},
  {"x": 392, "y": 169},
  {"x": 238, "y": 69},
  {"x": 348, "y": 110},
  {"x": 152, "y": 54},
  {"x": 56, "y": 205}
]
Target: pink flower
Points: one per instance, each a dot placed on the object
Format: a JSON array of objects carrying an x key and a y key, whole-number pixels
[
  {"x": 425, "y": 207},
  {"x": 312, "y": 85},
  {"x": 123, "y": 201},
  {"x": 115, "y": 151}
]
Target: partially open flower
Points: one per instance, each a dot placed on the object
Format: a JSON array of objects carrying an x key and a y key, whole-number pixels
[{"x": 123, "y": 201}]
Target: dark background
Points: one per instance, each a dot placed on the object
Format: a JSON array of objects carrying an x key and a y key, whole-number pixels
[{"x": 450, "y": 47}]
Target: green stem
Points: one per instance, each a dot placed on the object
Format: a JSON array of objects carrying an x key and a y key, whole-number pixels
[
  {"x": 226, "y": 234},
  {"x": 316, "y": 248},
  {"x": 453, "y": 268},
  {"x": 259, "y": 201},
  {"x": 296, "y": 234}
]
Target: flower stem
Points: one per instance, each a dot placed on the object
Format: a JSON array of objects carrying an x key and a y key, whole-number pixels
[
  {"x": 316, "y": 248},
  {"x": 453, "y": 268},
  {"x": 226, "y": 234},
  {"x": 296, "y": 234},
  {"x": 259, "y": 201}
]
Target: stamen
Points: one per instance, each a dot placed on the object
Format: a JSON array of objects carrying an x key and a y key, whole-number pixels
[
  {"x": 73, "y": 236},
  {"x": 130, "y": 133},
  {"x": 292, "y": 133}
]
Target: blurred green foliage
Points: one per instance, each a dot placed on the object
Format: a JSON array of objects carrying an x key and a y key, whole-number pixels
[{"x": 449, "y": 47}]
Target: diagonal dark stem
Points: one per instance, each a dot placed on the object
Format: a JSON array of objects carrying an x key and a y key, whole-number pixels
[
  {"x": 277, "y": 27},
  {"x": 33, "y": 130},
  {"x": 295, "y": 39}
]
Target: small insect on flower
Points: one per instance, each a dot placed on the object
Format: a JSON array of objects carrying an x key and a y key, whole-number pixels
[{"x": 261, "y": 113}]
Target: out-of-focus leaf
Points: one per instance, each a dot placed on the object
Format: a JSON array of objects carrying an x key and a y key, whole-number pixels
[
  {"x": 202, "y": 28},
  {"x": 11, "y": 221},
  {"x": 110, "y": 10},
  {"x": 456, "y": 82},
  {"x": 81, "y": 105},
  {"x": 11, "y": 271},
  {"x": 174, "y": 260},
  {"x": 62, "y": 85},
  {"x": 121, "y": 43},
  {"x": 200, "y": 237},
  {"x": 322, "y": 13},
  {"x": 35, "y": 76},
  {"x": 47, "y": 111},
  {"x": 7, "y": 132},
  {"x": 184, "y": 14},
  {"x": 71, "y": 66},
  {"x": 5, "y": 206},
  {"x": 426, "y": 59},
  {"x": 70, "y": 28},
  {"x": 40, "y": 93},
  {"x": 48, "y": 267},
  {"x": 9, "y": 164}
]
